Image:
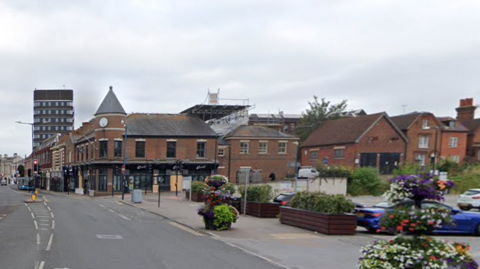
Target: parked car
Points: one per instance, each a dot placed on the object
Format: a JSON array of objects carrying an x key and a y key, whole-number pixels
[
  {"x": 3, "y": 182},
  {"x": 284, "y": 198},
  {"x": 469, "y": 199},
  {"x": 464, "y": 222},
  {"x": 308, "y": 173}
]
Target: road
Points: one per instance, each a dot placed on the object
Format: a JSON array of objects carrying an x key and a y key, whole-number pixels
[{"x": 76, "y": 233}]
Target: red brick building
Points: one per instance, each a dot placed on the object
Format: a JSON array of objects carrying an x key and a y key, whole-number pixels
[
  {"x": 431, "y": 139},
  {"x": 371, "y": 140},
  {"x": 263, "y": 149},
  {"x": 466, "y": 115}
]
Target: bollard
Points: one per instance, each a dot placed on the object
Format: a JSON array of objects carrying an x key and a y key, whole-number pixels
[{"x": 33, "y": 197}]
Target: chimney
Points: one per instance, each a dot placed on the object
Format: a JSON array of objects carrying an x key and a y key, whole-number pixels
[{"x": 466, "y": 110}]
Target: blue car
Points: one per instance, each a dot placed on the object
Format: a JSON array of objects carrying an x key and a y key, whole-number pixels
[{"x": 465, "y": 222}]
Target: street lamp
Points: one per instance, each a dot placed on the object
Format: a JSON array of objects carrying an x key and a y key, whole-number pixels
[
  {"x": 33, "y": 151},
  {"x": 433, "y": 156},
  {"x": 178, "y": 167},
  {"x": 296, "y": 165},
  {"x": 124, "y": 167}
]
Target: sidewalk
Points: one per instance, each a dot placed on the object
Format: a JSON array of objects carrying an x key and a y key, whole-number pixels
[{"x": 286, "y": 246}]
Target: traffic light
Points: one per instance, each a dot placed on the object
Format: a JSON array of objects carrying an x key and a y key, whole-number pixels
[
  {"x": 35, "y": 165},
  {"x": 149, "y": 168},
  {"x": 39, "y": 169},
  {"x": 115, "y": 170}
]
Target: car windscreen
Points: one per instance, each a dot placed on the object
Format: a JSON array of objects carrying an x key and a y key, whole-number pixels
[
  {"x": 283, "y": 197},
  {"x": 471, "y": 192}
]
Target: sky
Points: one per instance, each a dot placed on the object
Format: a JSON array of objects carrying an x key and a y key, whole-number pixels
[{"x": 160, "y": 56}]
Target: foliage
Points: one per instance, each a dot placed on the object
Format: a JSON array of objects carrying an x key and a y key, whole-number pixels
[
  {"x": 318, "y": 113},
  {"x": 198, "y": 186},
  {"x": 215, "y": 196},
  {"x": 416, "y": 253},
  {"x": 257, "y": 193},
  {"x": 408, "y": 169},
  {"x": 414, "y": 220},
  {"x": 333, "y": 171},
  {"x": 469, "y": 178},
  {"x": 449, "y": 166},
  {"x": 321, "y": 202},
  {"x": 230, "y": 187},
  {"x": 216, "y": 180},
  {"x": 424, "y": 186},
  {"x": 223, "y": 217},
  {"x": 206, "y": 211},
  {"x": 21, "y": 170},
  {"x": 365, "y": 181}
]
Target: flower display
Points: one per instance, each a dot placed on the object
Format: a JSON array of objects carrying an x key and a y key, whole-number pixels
[
  {"x": 422, "y": 252},
  {"x": 423, "y": 186},
  {"x": 413, "y": 220},
  {"x": 216, "y": 180}
]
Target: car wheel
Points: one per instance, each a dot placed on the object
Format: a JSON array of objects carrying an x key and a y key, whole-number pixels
[
  {"x": 465, "y": 208},
  {"x": 477, "y": 230},
  {"x": 372, "y": 231}
]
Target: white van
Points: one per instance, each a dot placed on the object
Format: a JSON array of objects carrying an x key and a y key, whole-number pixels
[{"x": 309, "y": 173}]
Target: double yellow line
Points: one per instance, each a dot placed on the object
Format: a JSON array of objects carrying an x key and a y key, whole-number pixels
[{"x": 179, "y": 226}]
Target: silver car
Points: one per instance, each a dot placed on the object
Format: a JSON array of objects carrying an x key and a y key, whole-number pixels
[
  {"x": 469, "y": 199},
  {"x": 3, "y": 182}
]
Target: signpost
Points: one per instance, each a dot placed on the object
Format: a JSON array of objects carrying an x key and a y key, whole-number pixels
[
  {"x": 247, "y": 170},
  {"x": 187, "y": 184}
]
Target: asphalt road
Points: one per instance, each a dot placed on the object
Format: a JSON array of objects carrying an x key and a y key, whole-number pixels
[{"x": 81, "y": 233}]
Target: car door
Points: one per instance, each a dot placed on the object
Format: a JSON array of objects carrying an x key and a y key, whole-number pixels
[{"x": 461, "y": 221}]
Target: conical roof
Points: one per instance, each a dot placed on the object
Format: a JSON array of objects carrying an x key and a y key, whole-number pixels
[{"x": 110, "y": 105}]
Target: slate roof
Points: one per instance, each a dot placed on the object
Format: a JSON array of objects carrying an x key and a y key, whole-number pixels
[
  {"x": 167, "y": 125},
  {"x": 404, "y": 121},
  {"x": 458, "y": 125},
  {"x": 110, "y": 105},
  {"x": 472, "y": 125},
  {"x": 346, "y": 130},
  {"x": 257, "y": 131}
]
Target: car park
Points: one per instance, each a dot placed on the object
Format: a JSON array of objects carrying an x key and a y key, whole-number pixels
[
  {"x": 464, "y": 222},
  {"x": 469, "y": 199}
]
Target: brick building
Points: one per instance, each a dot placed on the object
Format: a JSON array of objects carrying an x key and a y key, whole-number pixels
[
  {"x": 370, "y": 140},
  {"x": 432, "y": 139},
  {"x": 466, "y": 115},
  {"x": 263, "y": 149}
]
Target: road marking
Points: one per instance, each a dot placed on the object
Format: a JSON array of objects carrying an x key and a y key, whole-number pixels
[
  {"x": 36, "y": 225},
  {"x": 42, "y": 263},
  {"x": 49, "y": 245},
  {"x": 44, "y": 220},
  {"x": 43, "y": 229},
  {"x": 51, "y": 213},
  {"x": 124, "y": 217},
  {"x": 185, "y": 229},
  {"x": 33, "y": 217},
  {"x": 49, "y": 208},
  {"x": 112, "y": 211},
  {"x": 38, "y": 239},
  {"x": 53, "y": 225},
  {"x": 109, "y": 236},
  {"x": 41, "y": 224}
]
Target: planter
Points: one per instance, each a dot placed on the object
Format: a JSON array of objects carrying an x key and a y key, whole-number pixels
[
  {"x": 209, "y": 224},
  {"x": 262, "y": 210},
  {"x": 196, "y": 196},
  {"x": 344, "y": 224}
]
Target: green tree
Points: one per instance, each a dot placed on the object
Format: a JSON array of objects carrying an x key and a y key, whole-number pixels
[
  {"x": 318, "y": 113},
  {"x": 21, "y": 170}
]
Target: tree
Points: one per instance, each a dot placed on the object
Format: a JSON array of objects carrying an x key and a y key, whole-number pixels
[
  {"x": 318, "y": 113},
  {"x": 21, "y": 170}
]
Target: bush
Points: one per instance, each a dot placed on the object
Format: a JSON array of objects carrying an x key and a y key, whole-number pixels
[
  {"x": 366, "y": 181},
  {"x": 321, "y": 202},
  {"x": 409, "y": 169},
  {"x": 451, "y": 167},
  {"x": 467, "y": 179},
  {"x": 198, "y": 186},
  {"x": 231, "y": 188},
  {"x": 223, "y": 217},
  {"x": 257, "y": 193},
  {"x": 333, "y": 171}
]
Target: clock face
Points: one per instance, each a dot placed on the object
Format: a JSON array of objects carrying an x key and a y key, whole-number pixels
[{"x": 103, "y": 122}]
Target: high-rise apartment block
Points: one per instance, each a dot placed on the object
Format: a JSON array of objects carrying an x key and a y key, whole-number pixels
[{"x": 53, "y": 113}]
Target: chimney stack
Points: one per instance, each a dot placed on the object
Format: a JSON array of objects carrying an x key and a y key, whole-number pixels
[{"x": 466, "y": 110}]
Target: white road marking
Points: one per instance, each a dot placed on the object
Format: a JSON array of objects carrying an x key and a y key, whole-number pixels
[
  {"x": 36, "y": 225},
  {"x": 41, "y": 224},
  {"x": 111, "y": 210},
  {"x": 108, "y": 236},
  {"x": 44, "y": 202},
  {"x": 38, "y": 239},
  {"x": 124, "y": 217},
  {"x": 53, "y": 225},
  {"x": 33, "y": 216},
  {"x": 49, "y": 208},
  {"x": 43, "y": 229},
  {"x": 186, "y": 229},
  {"x": 49, "y": 245},
  {"x": 42, "y": 263},
  {"x": 44, "y": 220},
  {"x": 51, "y": 213}
]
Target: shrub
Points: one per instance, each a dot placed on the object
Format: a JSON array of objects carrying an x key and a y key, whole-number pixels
[
  {"x": 467, "y": 179},
  {"x": 198, "y": 186},
  {"x": 333, "y": 171},
  {"x": 223, "y": 217},
  {"x": 321, "y": 202},
  {"x": 257, "y": 193},
  {"x": 231, "y": 188},
  {"x": 365, "y": 181},
  {"x": 409, "y": 169}
]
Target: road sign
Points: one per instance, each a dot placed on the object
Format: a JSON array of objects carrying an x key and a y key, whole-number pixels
[{"x": 123, "y": 169}]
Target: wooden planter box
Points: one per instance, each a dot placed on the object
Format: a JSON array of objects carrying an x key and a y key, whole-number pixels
[
  {"x": 345, "y": 224},
  {"x": 262, "y": 210},
  {"x": 196, "y": 196}
]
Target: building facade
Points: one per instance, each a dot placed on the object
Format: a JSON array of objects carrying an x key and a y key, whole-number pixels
[
  {"x": 466, "y": 115},
  {"x": 9, "y": 166},
  {"x": 53, "y": 112}
]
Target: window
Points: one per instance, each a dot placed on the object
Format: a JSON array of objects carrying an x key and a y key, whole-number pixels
[
  {"x": 139, "y": 149},
  {"x": 313, "y": 155},
  {"x": 201, "y": 149},
  {"x": 338, "y": 153},
  {"x": 103, "y": 149},
  {"x": 423, "y": 142},
  {"x": 171, "y": 149},
  {"x": 221, "y": 152},
  {"x": 117, "y": 149},
  {"x": 243, "y": 147},
  {"x": 262, "y": 147},
  {"x": 282, "y": 147},
  {"x": 424, "y": 124},
  {"x": 86, "y": 152},
  {"x": 451, "y": 124},
  {"x": 102, "y": 180},
  {"x": 453, "y": 142},
  {"x": 420, "y": 158},
  {"x": 455, "y": 158}
]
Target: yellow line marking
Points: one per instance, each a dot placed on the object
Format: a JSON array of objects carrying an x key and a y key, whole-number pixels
[{"x": 186, "y": 229}]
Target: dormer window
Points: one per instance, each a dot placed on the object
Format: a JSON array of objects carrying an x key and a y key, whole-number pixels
[
  {"x": 424, "y": 124},
  {"x": 451, "y": 124}
]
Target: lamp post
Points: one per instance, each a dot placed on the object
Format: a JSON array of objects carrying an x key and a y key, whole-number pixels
[
  {"x": 178, "y": 167},
  {"x": 433, "y": 156},
  {"x": 33, "y": 151},
  {"x": 295, "y": 166},
  {"x": 124, "y": 167}
]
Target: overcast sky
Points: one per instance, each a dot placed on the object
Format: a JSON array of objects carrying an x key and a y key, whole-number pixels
[{"x": 163, "y": 56}]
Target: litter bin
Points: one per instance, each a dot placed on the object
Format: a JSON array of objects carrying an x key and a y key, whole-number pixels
[
  {"x": 137, "y": 196},
  {"x": 236, "y": 202}
]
